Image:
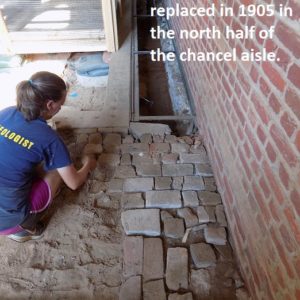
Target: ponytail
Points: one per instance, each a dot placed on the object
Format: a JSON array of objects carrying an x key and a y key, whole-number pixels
[{"x": 33, "y": 94}]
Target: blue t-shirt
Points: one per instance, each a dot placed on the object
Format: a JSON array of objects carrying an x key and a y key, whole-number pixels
[{"x": 23, "y": 145}]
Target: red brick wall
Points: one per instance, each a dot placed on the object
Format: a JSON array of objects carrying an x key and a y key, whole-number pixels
[{"x": 248, "y": 114}]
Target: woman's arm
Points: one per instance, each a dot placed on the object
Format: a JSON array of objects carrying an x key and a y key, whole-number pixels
[{"x": 75, "y": 178}]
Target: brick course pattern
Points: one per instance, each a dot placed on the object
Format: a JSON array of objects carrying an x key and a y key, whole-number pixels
[{"x": 248, "y": 114}]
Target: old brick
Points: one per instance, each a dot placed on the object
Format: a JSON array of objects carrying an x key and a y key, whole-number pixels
[
  {"x": 125, "y": 159},
  {"x": 124, "y": 172},
  {"x": 179, "y": 148},
  {"x": 134, "y": 148},
  {"x": 141, "y": 158},
  {"x": 177, "y": 183},
  {"x": 146, "y": 138},
  {"x": 159, "y": 147},
  {"x": 188, "y": 296},
  {"x": 106, "y": 159},
  {"x": 169, "y": 158},
  {"x": 203, "y": 215},
  {"x": 203, "y": 170}
]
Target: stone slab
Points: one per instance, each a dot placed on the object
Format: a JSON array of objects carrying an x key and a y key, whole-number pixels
[
  {"x": 193, "y": 183},
  {"x": 163, "y": 199},
  {"x": 177, "y": 169},
  {"x": 203, "y": 255},
  {"x": 180, "y": 148},
  {"x": 138, "y": 129},
  {"x": 190, "y": 199},
  {"x": 138, "y": 184},
  {"x": 204, "y": 170},
  {"x": 123, "y": 172},
  {"x": 169, "y": 158},
  {"x": 203, "y": 215},
  {"x": 187, "y": 296},
  {"x": 160, "y": 147},
  {"x": 141, "y": 221},
  {"x": 148, "y": 170},
  {"x": 209, "y": 198},
  {"x": 133, "y": 248},
  {"x": 200, "y": 158},
  {"x": 189, "y": 217},
  {"x": 153, "y": 266},
  {"x": 132, "y": 200},
  {"x": 163, "y": 183},
  {"x": 131, "y": 289},
  {"x": 154, "y": 290},
  {"x": 215, "y": 236},
  {"x": 134, "y": 148},
  {"x": 177, "y": 269},
  {"x": 174, "y": 228}
]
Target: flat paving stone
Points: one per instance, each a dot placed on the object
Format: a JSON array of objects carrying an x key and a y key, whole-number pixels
[
  {"x": 211, "y": 213},
  {"x": 148, "y": 170},
  {"x": 203, "y": 170},
  {"x": 193, "y": 183},
  {"x": 138, "y": 184},
  {"x": 215, "y": 236},
  {"x": 186, "y": 158},
  {"x": 141, "y": 158},
  {"x": 133, "y": 248},
  {"x": 128, "y": 139},
  {"x": 163, "y": 199},
  {"x": 134, "y": 148},
  {"x": 179, "y": 148},
  {"x": 124, "y": 172},
  {"x": 95, "y": 138},
  {"x": 221, "y": 217},
  {"x": 177, "y": 170},
  {"x": 146, "y": 138},
  {"x": 141, "y": 221},
  {"x": 163, "y": 183},
  {"x": 201, "y": 283},
  {"x": 174, "y": 228},
  {"x": 203, "y": 215},
  {"x": 209, "y": 198},
  {"x": 188, "y": 296},
  {"x": 154, "y": 290},
  {"x": 93, "y": 149},
  {"x": 203, "y": 255},
  {"x": 169, "y": 138},
  {"x": 132, "y": 200},
  {"x": 131, "y": 289},
  {"x": 190, "y": 199},
  {"x": 115, "y": 186},
  {"x": 189, "y": 217},
  {"x": 169, "y": 158},
  {"x": 160, "y": 147},
  {"x": 153, "y": 267},
  {"x": 177, "y": 269},
  {"x": 177, "y": 183}
]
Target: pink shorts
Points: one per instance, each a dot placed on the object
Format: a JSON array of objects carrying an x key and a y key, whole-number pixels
[{"x": 40, "y": 199}]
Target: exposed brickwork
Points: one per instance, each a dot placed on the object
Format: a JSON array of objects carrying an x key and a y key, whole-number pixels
[{"x": 249, "y": 117}]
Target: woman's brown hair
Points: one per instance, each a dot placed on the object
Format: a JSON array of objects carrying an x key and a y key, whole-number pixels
[{"x": 33, "y": 94}]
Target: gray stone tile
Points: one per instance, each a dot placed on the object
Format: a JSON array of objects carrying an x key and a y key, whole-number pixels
[
  {"x": 201, "y": 283},
  {"x": 169, "y": 158},
  {"x": 220, "y": 214},
  {"x": 209, "y": 198},
  {"x": 154, "y": 290},
  {"x": 125, "y": 159},
  {"x": 177, "y": 170},
  {"x": 163, "y": 199},
  {"x": 124, "y": 172},
  {"x": 200, "y": 158},
  {"x": 153, "y": 267},
  {"x": 141, "y": 221},
  {"x": 131, "y": 289},
  {"x": 146, "y": 138},
  {"x": 174, "y": 228},
  {"x": 163, "y": 183},
  {"x": 203, "y": 215},
  {"x": 203, "y": 255},
  {"x": 189, "y": 217},
  {"x": 160, "y": 148},
  {"x": 193, "y": 183},
  {"x": 133, "y": 248},
  {"x": 177, "y": 269},
  {"x": 109, "y": 159},
  {"x": 135, "y": 148},
  {"x": 141, "y": 158},
  {"x": 215, "y": 236},
  {"x": 138, "y": 184},
  {"x": 148, "y": 170},
  {"x": 132, "y": 200},
  {"x": 190, "y": 199},
  {"x": 187, "y": 296},
  {"x": 180, "y": 148},
  {"x": 177, "y": 183},
  {"x": 204, "y": 170}
]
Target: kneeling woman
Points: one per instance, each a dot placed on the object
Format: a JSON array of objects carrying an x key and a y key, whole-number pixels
[{"x": 26, "y": 143}]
